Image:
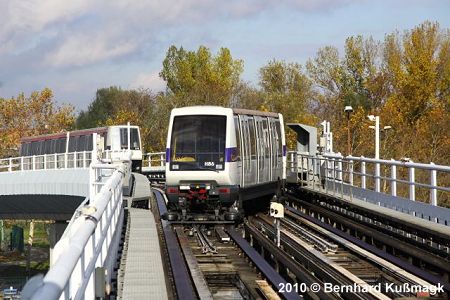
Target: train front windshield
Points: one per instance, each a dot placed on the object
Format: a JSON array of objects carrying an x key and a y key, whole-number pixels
[
  {"x": 198, "y": 143},
  {"x": 134, "y": 138}
]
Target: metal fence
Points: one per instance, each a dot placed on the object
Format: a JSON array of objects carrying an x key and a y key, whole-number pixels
[
  {"x": 90, "y": 242},
  {"x": 156, "y": 159},
  {"x": 47, "y": 161},
  {"x": 335, "y": 173}
]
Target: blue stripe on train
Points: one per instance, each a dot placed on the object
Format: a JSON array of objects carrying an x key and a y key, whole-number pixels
[
  {"x": 284, "y": 150},
  {"x": 167, "y": 155},
  {"x": 229, "y": 153}
]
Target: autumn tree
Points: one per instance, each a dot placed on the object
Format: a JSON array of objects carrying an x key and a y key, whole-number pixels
[
  {"x": 36, "y": 114},
  {"x": 200, "y": 78},
  {"x": 418, "y": 68}
]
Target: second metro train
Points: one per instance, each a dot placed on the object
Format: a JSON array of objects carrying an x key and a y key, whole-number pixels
[
  {"x": 218, "y": 160},
  {"x": 111, "y": 138}
]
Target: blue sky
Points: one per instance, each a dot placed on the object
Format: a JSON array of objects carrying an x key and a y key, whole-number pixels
[{"x": 76, "y": 47}]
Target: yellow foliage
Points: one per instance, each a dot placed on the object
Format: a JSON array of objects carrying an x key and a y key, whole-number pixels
[{"x": 28, "y": 116}]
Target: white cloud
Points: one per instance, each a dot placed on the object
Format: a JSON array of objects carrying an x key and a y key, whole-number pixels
[
  {"x": 148, "y": 81},
  {"x": 82, "y": 50}
]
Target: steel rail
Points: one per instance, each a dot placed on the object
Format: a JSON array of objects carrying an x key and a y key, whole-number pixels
[
  {"x": 323, "y": 272},
  {"x": 183, "y": 283},
  {"x": 272, "y": 276},
  {"x": 389, "y": 257},
  {"x": 417, "y": 229},
  {"x": 414, "y": 248}
]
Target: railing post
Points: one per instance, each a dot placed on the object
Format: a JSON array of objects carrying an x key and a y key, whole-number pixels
[
  {"x": 393, "y": 179},
  {"x": 10, "y": 165},
  {"x": 363, "y": 174},
  {"x": 162, "y": 160},
  {"x": 334, "y": 176},
  {"x": 56, "y": 160},
  {"x": 326, "y": 173},
  {"x": 33, "y": 161},
  {"x": 21, "y": 163},
  {"x": 433, "y": 183},
  {"x": 350, "y": 171},
  {"x": 340, "y": 169},
  {"x": 412, "y": 187},
  {"x": 84, "y": 159},
  {"x": 377, "y": 178},
  {"x": 45, "y": 162},
  {"x": 65, "y": 160},
  {"x": 75, "y": 160}
]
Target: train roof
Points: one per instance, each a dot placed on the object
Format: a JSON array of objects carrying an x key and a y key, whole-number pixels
[
  {"x": 242, "y": 111},
  {"x": 211, "y": 109},
  {"x": 63, "y": 134}
]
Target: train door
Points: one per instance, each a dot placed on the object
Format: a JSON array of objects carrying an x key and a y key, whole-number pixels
[
  {"x": 245, "y": 149},
  {"x": 267, "y": 150},
  {"x": 253, "y": 174},
  {"x": 273, "y": 165},
  {"x": 240, "y": 150},
  {"x": 260, "y": 149}
]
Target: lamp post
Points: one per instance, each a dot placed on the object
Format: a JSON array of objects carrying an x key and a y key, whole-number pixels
[
  {"x": 376, "y": 119},
  {"x": 348, "y": 109}
]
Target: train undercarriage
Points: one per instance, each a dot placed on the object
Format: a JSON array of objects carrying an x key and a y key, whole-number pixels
[{"x": 206, "y": 202}]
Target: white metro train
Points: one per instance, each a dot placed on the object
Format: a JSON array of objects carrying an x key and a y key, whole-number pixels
[
  {"x": 219, "y": 160},
  {"x": 111, "y": 138}
]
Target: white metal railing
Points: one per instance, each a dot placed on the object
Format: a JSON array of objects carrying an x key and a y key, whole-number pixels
[
  {"x": 47, "y": 161},
  {"x": 114, "y": 155},
  {"x": 352, "y": 171},
  {"x": 155, "y": 159},
  {"x": 90, "y": 240}
]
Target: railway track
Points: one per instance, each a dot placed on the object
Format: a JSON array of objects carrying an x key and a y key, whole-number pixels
[
  {"x": 215, "y": 262},
  {"x": 218, "y": 261},
  {"x": 407, "y": 253},
  {"x": 334, "y": 260}
]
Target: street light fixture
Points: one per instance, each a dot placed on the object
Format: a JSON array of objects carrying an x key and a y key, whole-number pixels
[
  {"x": 376, "y": 119},
  {"x": 348, "y": 109}
]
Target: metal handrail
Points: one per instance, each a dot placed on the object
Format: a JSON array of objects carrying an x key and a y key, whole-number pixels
[
  {"x": 336, "y": 168},
  {"x": 68, "y": 160},
  {"x": 154, "y": 159},
  {"x": 90, "y": 240}
]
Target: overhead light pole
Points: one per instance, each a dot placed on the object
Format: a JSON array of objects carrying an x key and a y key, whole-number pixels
[
  {"x": 376, "y": 119},
  {"x": 348, "y": 109}
]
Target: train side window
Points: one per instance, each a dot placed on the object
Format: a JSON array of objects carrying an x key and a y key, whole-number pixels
[
  {"x": 34, "y": 148},
  {"x": 61, "y": 145},
  {"x": 251, "y": 127},
  {"x": 265, "y": 127},
  {"x": 134, "y": 139},
  {"x": 73, "y": 143},
  {"x": 89, "y": 142},
  {"x": 47, "y": 147},
  {"x": 53, "y": 144},
  {"x": 279, "y": 141},
  {"x": 82, "y": 143},
  {"x": 238, "y": 139}
]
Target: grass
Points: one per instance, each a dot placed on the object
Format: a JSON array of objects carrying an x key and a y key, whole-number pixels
[{"x": 13, "y": 263}]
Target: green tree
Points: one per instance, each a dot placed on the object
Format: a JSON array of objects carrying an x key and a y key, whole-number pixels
[
  {"x": 103, "y": 107},
  {"x": 199, "y": 78},
  {"x": 285, "y": 89}
]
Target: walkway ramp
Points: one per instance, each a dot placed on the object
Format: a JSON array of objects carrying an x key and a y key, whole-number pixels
[{"x": 142, "y": 273}]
